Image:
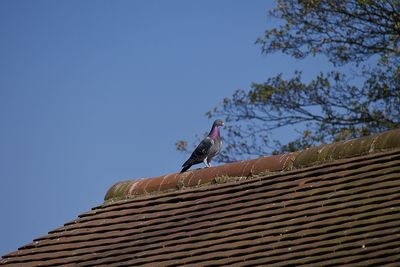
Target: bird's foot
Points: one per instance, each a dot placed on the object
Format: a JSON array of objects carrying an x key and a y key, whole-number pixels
[{"x": 206, "y": 163}]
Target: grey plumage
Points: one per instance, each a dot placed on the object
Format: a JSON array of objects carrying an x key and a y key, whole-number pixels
[{"x": 207, "y": 149}]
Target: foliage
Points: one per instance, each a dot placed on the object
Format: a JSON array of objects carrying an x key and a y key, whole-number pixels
[
  {"x": 333, "y": 106},
  {"x": 345, "y": 31},
  {"x": 330, "y": 108}
]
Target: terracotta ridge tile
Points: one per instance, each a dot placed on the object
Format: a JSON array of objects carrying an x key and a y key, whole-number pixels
[{"x": 249, "y": 168}]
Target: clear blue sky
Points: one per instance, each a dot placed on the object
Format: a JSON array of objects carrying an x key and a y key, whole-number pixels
[{"x": 94, "y": 92}]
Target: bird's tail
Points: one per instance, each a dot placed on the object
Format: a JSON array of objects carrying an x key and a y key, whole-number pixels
[
  {"x": 187, "y": 165},
  {"x": 185, "y": 168}
]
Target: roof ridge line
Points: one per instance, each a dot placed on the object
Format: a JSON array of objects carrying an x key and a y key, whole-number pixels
[{"x": 267, "y": 164}]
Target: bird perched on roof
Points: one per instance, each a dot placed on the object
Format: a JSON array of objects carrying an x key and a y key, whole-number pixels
[{"x": 207, "y": 149}]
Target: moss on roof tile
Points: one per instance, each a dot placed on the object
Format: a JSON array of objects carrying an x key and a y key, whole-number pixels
[{"x": 347, "y": 149}]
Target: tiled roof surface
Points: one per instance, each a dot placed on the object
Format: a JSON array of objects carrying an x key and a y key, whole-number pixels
[{"x": 340, "y": 212}]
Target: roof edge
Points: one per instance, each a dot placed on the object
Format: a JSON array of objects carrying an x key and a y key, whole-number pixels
[{"x": 250, "y": 168}]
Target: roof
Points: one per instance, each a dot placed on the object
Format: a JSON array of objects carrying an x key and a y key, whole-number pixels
[{"x": 331, "y": 205}]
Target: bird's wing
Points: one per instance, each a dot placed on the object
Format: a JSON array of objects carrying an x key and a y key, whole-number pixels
[{"x": 201, "y": 151}]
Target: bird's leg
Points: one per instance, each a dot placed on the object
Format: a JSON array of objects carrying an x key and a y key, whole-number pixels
[{"x": 206, "y": 163}]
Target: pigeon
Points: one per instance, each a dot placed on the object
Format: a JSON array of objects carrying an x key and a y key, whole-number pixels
[{"x": 207, "y": 149}]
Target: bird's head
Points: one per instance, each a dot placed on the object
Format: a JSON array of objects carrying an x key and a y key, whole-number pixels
[{"x": 218, "y": 123}]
